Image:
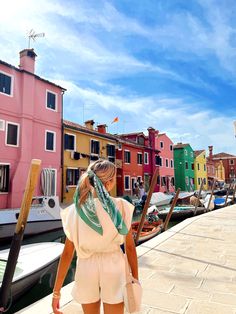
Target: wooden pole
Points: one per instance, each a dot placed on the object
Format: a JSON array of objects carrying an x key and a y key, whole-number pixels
[
  {"x": 151, "y": 189},
  {"x": 198, "y": 198},
  {"x": 18, "y": 235},
  {"x": 212, "y": 191},
  {"x": 171, "y": 209},
  {"x": 227, "y": 195}
]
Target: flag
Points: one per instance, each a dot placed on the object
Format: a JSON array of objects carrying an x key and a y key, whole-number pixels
[{"x": 115, "y": 120}]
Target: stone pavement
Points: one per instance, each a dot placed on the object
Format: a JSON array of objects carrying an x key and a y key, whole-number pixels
[{"x": 190, "y": 269}]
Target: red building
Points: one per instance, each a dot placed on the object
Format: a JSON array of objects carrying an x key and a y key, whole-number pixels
[{"x": 229, "y": 163}]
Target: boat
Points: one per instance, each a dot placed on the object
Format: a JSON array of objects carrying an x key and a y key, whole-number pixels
[
  {"x": 160, "y": 199},
  {"x": 150, "y": 229},
  {"x": 181, "y": 212},
  {"x": 34, "y": 261},
  {"x": 220, "y": 202},
  {"x": 44, "y": 216}
]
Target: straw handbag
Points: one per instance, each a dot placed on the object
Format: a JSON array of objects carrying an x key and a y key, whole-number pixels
[{"x": 132, "y": 290}]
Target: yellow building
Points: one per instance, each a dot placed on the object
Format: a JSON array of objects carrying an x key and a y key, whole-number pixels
[
  {"x": 200, "y": 171},
  {"x": 82, "y": 145}
]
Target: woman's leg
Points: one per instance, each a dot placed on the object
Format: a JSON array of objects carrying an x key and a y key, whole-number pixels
[
  {"x": 113, "y": 308},
  {"x": 91, "y": 308}
]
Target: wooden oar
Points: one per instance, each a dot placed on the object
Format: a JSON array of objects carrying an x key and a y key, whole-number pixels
[
  {"x": 171, "y": 209},
  {"x": 212, "y": 191},
  {"x": 18, "y": 235},
  {"x": 198, "y": 197},
  {"x": 151, "y": 189},
  {"x": 227, "y": 195}
]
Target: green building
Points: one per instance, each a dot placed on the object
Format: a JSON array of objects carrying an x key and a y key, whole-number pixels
[{"x": 184, "y": 167}]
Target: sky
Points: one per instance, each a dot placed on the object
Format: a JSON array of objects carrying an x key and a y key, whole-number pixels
[{"x": 168, "y": 64}]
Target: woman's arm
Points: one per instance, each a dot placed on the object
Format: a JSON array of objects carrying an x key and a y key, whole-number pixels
[
  {"x": 131, "y": 254},
  {"x": 63, "y": 266}
]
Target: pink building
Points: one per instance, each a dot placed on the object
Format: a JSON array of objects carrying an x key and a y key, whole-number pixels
[
  {"x": 166, "y": 170},
  {"x": 30, "y": 127}
]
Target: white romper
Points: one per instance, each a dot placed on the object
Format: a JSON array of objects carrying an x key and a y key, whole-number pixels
[{"x": 100, "y": 269}]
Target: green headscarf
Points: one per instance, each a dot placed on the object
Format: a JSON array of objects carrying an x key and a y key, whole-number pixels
[{"x": 87, "y": 211}]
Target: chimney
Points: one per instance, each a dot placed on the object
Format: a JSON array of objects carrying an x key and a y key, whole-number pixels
[
  {"x": 152, "y": 136},
  {"x": 89, "y": 124},
  {"x": 102, "y": 128},
  {"x": 27, "y": 60},
  {"x": 210, "y": 152}
]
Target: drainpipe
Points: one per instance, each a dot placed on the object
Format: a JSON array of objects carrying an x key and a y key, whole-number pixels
[{"x": 62, "y": 151}]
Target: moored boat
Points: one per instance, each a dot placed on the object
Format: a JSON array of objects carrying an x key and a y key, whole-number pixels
[
  {"x": 181, "y": 212},
  {"x": 160, "y": 199},
  {"x": 149, "y": 230},
  {"x": 34, "y": 261}
]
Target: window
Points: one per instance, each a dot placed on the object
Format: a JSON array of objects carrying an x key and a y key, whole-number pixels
[
  {"x": 158, "y": 180},
  {"x": 199, "y": 181},
  {"x": 146, "y": 158},
  {"x": 171, "y": 147},
  {"x": 49, "y": 181},
  {"x": 95, "y": 149},
  {"x": 50, "y": 141},
  {"x": 69, "y": 141},
  {"x": 204, "y": 167},
  {"x": 185, "y": 152},
  {"x": 231, "y": 162},
  {"x": 51, "y": 101},
  {"x": 198, "y": 166},
  {"x": 12, "y": 134},
  {"x": 204, "y": 180},
  {"x": 140, "y": 140},
  {"x": 162, "y": 144},
  {"x": 127, "y": 182},
  {"x": 172, "y": 181},
  {"x": 163, "y": 181},
  {"x": 167, "y": 163},
  {"x": 171, "y": 163},
  {"x": 127, "y": 156},
  {"x": 139, "y": 179},
  {"x": 5, "y": 84},
  {"x": 111, "y": 152},
  {"x": 4, "y": 178},
  {"x": 72, "y": 176},
  {"x": 139, "y": 158},
  {"x": 192, "y": 166},
  {"x": 186, "y": 165},
  {"x": 158, "y": 160}
]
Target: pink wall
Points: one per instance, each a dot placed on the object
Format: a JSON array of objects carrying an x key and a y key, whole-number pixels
[
  {"x": 167, "y": 155},
  {"x": 27, "y": 107}
]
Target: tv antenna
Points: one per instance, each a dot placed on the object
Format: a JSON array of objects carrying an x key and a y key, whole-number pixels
[{"x": 33, "y": 36}]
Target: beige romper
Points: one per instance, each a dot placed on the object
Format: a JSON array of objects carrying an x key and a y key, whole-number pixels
[{"x": 100, "y": 269}]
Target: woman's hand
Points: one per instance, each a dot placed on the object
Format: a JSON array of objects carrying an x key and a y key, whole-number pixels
[{"x": 56, "y": 306}]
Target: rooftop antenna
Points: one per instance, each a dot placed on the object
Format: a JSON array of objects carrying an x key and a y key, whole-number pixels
[{"x": 33, "y": 36}]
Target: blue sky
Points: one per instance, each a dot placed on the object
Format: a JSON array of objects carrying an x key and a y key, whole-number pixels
[{"x": 169, "y": 64}]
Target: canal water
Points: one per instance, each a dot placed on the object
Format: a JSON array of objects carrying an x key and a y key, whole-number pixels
[{"x": 45, "y": 286}]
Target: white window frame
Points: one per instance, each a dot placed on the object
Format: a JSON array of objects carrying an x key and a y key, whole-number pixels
[
  {"x": 138, "y": 154},
  {"x": 72, "y": 168},
  {"x": 127, "y": 163},
  {"x": 72, "y": 150},
  {"x": 146, "y": 156},
  {"x": 12, "y": 82},
  {"x": 231, "y": 162},
  {"x": 54, "y": 141},
  {"x": 5, "y": 164},
  {"x": 49, "y": 91},
  {"x": 108, "y": 156},
  {"x": 128, "y": 181},
  {"x": 167, "y": 165},
  {"x": 93, "y": 154},
  {"x": 171, "y": 163},
  {"x": 2, "y": 122},
  {"x": 18, "y": 133},
  {"x": 161, "y": 145}
]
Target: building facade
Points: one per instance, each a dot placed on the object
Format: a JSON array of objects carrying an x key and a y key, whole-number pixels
[
  {"x": 184, "y": 167},
  {"x": 83, "y": 145},
  {"x": 30, "y": 127},
  {"x": 200, "y": 170}
]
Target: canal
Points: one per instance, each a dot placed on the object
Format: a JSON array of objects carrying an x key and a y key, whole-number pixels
[{"x": 45, "y": 286}]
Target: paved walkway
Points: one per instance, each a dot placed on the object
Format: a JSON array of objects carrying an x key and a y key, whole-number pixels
[{"x": 189, "y": 269}]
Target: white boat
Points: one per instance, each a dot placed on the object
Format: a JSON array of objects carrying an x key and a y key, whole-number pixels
[
  {"x": 34, "y": 261},
  {"x": 44, "y": 216},
  {"x": 184, "y": 195},
  {"x": 160, "y": 199}
]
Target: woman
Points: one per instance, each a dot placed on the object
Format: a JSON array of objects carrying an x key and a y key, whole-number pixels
[{"x": 95, "y": 227}]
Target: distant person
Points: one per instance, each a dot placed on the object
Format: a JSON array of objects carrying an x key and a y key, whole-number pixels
[
  {"x": 142, "y": 190},
  {"x": 95, "y": 226},
  {"x": 136, "y": 190}
]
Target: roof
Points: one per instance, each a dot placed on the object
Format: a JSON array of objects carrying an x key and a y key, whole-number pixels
[
  {"x": 161, "y": 134},
  {"x": 198, "y": 152},
  {"x": 223, "y": 155},
  {"x": 79, "y": 127},
  {"x": 36, "y": 76},
  {"x": 180, "y": 145},
  {"x": 134, "y": 133}
]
